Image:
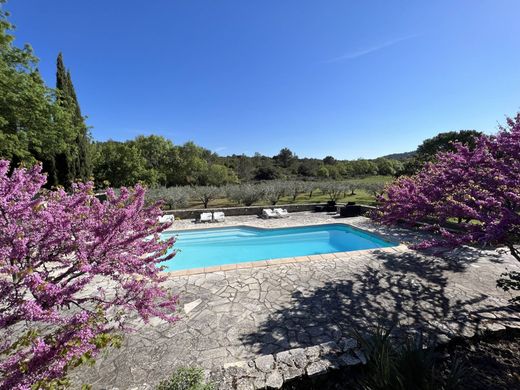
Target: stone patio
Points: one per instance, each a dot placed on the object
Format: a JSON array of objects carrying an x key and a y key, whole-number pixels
[{"x": 236, "y": 315}]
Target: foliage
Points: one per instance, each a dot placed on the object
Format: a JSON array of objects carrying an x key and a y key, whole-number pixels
[
  {"x": 285, "y": 157},
  {"x": 442, "y": 142},
  {"x": 295, "y": 188},
  {"x": 157, "y": 155},
  {"x": 310, "y": 187},
  {"x": 445, "y": 142},
  {"x": 218, "y": 175},
  {"x": 244, "y": 194},
  {"x": 33, "y": 126},
  {"x": 76, "y": 163},
  {"x": 186, "y": 378},
  {"x": 332, "y": 189},
  {"x": 266, "y": 173},
  {"x": 479, "y": 187},
  {"x": 120, "y": 164},
  {"x": 329, "y": 160},
  {"x": 72, "y": 269},
  {"x": 374, "y": 188},
  {"x": 404, "y": 364},
  {"x": 206, "y": 194},
  {"x": 272, "y": 191},
  {"x": 173, "y": 197}
]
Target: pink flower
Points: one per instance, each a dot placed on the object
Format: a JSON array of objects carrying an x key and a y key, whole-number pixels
[{"x": 54, "y": 248}]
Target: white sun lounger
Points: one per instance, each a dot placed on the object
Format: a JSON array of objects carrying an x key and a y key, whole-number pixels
[
  {"x": 282, "y": 213},
  {"x": 268, "y": 213},
  {"x": 206, "y": 217},
  {"x": 169, "y": 218},
  {"x": 218, "y": 216}
]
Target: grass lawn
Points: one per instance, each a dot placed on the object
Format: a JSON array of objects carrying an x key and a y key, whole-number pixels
[{"x": 360, "y": 196}]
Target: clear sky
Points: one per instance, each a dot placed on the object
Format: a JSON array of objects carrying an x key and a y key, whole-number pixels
[{"x": 344, "y": 78}]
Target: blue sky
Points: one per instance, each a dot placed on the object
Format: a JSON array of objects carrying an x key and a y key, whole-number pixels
[{"x": 344, "y": 78}]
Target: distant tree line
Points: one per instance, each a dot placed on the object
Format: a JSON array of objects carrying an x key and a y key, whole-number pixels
[{"x": 156, "y": 161}]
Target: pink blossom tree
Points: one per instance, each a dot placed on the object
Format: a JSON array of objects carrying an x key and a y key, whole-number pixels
[
  {"x": 72, "y": 270},
  {"x": 477, "y": 188}
]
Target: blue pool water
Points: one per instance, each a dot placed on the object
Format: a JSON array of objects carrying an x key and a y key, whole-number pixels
[{"x": 219, "y": 246}]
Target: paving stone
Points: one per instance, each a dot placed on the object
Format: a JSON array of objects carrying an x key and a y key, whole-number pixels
[
  {"x": 192, "y": 305},
  {"x": 313, "y": 352},
  {"x": 299, "y": 357},
  {"x": 329, "y": 348},
  {"x": 244, "y": 384},
  {"x": 317, "y": 368},
  {"x": 347, "y": 344},
  {"x": 274, "y": 380},
  {"x": 240, "y": 364},
  {"x": 291, "y": 372},
  {"x": 284, "y": 357},
  {"x": 348, "y": 359},
  {"x": 265, "y": 363}
]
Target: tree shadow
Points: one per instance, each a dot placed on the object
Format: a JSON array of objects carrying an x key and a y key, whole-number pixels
[{"x": 408, "y": 291}]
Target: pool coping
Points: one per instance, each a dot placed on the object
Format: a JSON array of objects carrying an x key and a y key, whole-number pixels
[{"x": 399, "y": 247}]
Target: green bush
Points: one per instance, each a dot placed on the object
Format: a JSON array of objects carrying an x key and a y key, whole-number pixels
[{"x": 186, "y": 378}]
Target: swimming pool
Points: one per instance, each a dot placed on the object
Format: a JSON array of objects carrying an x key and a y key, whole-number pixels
[{"x": 231, "y": 245}]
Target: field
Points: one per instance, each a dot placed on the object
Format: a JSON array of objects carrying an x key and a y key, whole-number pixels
[{"x": 361, "y": 196}]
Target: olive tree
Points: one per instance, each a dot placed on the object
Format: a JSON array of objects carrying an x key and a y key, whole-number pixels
[
  {"x": 333, "y": 189},
  {"x": 244, "y": 194},
  {"x": 295, "y": 188},
  {"x": 273, "y": 191},
  {"x": 173, "y": 197},
  {"x": 375, "y": 188},
  {"x": 206, "y": 194}
]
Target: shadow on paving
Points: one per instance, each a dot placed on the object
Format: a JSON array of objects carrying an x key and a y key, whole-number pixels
[{"x": 406, "y": 290}]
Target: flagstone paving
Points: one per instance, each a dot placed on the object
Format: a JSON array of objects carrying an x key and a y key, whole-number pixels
[{"x": 228, "y": 316}]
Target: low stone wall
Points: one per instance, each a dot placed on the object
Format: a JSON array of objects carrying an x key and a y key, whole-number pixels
[
  {"x": 252, "y": 210},
  {"x": 272, "y": 371},
  {"x": 248, "y": 210}
]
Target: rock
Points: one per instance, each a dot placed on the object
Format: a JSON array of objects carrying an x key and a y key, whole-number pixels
[
  {"x": 289, "y": 373},
  {"x": 265, "y": 363},
  {"x": 317, "y": 368},
  {"x": 299, "y": 357},
  {"x": 240, "y": 364},
  {"x": 329, "y": 348},
  {"x": 284, "y": 357},
  {"x": 360, "y": 355},
  {"x": 347, "y": 344},
  {"x": 313, "y": 352},
  {"x": 259, "y": 383},
  {"x": 274, "y": 380},
  {"x": 244, "y": 384},
  {"x": 348, "y": 360}
]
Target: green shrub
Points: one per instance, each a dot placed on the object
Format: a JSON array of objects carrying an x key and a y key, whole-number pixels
[
  {"x": 186, "y": 378},
  {"x": 405, "y": 364}
]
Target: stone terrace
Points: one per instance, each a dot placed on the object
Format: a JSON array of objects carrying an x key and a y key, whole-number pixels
[{"x": 235, "y": 315}]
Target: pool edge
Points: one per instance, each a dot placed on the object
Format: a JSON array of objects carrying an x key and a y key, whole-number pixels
[{"x": 281, "y": 261}]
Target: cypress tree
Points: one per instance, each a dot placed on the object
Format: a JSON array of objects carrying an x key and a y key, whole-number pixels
[
  {"x": 76, "y": 165},
  {"x": 64, "y": 165}
]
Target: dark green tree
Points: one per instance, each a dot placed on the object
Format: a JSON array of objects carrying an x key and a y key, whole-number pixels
[
  {"x": 329, "y": 160},
  {"x": 285, "y": 157},
  {"x": 76, "y": 164},
  {"x": 443, "y": 142},
  {"x": 33, "y": 127}
]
